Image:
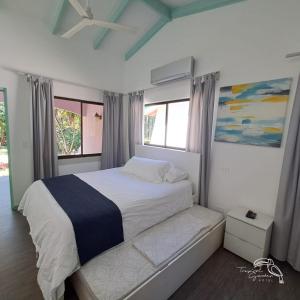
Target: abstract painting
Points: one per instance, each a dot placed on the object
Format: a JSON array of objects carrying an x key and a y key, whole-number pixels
[{"x": 253, "y": 113}]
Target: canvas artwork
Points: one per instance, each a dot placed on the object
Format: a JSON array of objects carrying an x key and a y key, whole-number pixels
[{"x": 253, "y": 113}]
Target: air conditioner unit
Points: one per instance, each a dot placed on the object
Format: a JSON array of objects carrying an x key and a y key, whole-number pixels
[{"x": 178, "y": 70}]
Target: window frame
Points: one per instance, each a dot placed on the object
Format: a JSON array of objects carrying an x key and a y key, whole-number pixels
[
  {"x": 81, "y": 132},
  {"x": 166, "y": 123}
]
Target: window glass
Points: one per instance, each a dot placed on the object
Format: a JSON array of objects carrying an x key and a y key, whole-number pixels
[
  {"x": 68, "y": 126},
  {"x": 3, "y": 138},
  {"x": 155, "y": 124},
  {"x": 79, "y": 127},
  {"x": 4, "y": 171},
  {"x": 178, "y": 113},
  {"x": 165, "y": 124},
  {"x": 92, "y": 125}
]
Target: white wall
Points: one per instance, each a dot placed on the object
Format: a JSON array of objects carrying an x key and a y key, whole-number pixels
[
  {"x": 78, "y": 165},
  {"x": 26, "y": 44},
  {"x": 247, "y": 42},
  {"x": 167, "y": 92}
]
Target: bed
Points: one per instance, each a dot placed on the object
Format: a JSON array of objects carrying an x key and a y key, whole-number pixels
[
  {"x": 123, "y": 273},
  {"x": 142, "y": 205}
]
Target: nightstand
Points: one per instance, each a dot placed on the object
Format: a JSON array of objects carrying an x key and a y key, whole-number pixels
[{"x": 248, "y": 238}]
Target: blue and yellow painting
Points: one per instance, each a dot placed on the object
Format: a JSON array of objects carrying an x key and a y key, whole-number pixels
[{"x": 253, "y": 113}]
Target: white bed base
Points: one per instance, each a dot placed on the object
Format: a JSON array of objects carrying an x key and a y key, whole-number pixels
[{"x": 166, "y": 281}]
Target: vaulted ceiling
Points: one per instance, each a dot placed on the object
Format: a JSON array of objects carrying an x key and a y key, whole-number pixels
[{"x": 148, "y": 16}]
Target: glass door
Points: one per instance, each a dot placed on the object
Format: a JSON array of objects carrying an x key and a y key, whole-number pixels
[{"x": 5, "y": 179}]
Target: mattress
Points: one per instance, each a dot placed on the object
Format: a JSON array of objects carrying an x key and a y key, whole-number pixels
[
  {"x": 116, "y": 273},
  {"x": 142, "y": 205}
]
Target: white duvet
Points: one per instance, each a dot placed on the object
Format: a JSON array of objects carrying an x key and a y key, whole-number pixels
[{"x": 142, "y": 205}]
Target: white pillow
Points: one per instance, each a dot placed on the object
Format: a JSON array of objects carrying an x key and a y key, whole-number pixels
[
  {"x": 147, "y": 169},
  {"x": 175, "y": 175}
]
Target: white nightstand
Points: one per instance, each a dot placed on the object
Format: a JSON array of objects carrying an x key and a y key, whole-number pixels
[{"x": 248, "y": 238}]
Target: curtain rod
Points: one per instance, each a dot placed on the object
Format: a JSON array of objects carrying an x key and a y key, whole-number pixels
[
  {"x": 22, "y": 72},
  {"x": 217, "y": 73}
]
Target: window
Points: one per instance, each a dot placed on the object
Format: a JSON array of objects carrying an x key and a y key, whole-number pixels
[
  {"x": 165, "y": 124},
  {"x": 78, "y": 127},
  {"x": 4, "y": 171}
]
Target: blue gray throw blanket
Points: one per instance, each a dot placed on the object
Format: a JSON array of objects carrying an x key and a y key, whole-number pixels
[{"x": 97, "y": 221}]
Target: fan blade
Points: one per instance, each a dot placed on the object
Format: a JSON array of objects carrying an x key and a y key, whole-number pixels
[
  {"x": 77, "y": 6},
  {"x": 113, "y": 26},
  {"x": 83, "y": 23}
]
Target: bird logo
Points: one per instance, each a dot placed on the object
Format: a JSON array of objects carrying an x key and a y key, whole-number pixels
[{"x": 271, "y": 267}]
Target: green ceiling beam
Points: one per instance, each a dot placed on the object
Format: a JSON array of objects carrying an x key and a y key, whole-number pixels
[
  {"x": 200, "y": 6},
  {"x": 159, "y": 7},
  {"x": 113, "y": 18},
  {"x": 60, "y": 10},
  {"x": 177, "y": 12},
  {"x": 146, "y": 37}
]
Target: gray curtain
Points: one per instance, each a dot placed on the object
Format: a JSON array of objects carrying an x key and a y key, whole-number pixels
[
  {"x": 44, "y": 138},
  {"x": 286, "y": 229},
  {"x": 135, "y": 120},
  {"x": 113, "y": 149},
  {"x": 200, "y": 128}
]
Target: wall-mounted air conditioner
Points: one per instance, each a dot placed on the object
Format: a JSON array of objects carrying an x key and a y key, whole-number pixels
[{"x": 178, "y": 70}]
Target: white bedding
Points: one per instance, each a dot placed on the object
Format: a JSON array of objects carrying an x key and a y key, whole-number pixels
[
  {"x": 142, "y": 205},
  {"x": 159, "y": 243}
]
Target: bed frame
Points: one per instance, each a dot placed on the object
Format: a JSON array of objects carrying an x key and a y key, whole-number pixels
[
  {"x": 166, "y": 281},
  {"x": 162, "y": 284}
]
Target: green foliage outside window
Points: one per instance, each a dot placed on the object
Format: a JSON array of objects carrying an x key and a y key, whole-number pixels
[
  {"x": 2, "y": 126},
  {"x": 149, "y": 122},
  {"x": 68, "y": 132}
]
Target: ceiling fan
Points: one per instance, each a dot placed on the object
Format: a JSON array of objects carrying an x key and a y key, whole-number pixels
[{"x": 87, "y": 19}]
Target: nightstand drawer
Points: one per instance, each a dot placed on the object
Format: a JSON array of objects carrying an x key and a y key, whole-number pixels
[
  {"x": 242, "y": 248},
  {"x": 246, "y": 232}
]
